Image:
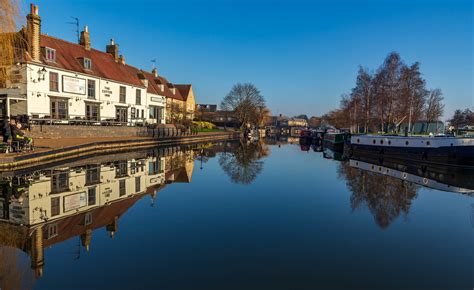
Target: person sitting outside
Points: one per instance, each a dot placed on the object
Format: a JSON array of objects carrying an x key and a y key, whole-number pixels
[
  {"x": 6, "y": 130},
  {"x": 20, "y": 137}
]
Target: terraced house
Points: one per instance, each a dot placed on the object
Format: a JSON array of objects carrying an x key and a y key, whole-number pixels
[{"x": 63, "y": 81}]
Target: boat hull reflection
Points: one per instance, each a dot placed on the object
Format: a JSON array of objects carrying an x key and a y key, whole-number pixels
[{"x": 436, "y": 177}]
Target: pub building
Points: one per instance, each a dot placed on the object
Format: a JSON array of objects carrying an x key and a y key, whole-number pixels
[{"x": 65, "y": 81}]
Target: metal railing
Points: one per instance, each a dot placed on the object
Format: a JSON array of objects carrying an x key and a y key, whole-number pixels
[
  {"x": 34, "y": 119},
  {"x": 171, "y": 132}
]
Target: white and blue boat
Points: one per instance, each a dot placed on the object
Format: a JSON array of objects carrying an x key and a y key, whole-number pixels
[{"x": 438, "y": 150}]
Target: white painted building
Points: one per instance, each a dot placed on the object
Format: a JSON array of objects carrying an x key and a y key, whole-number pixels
[{"x": 63, "y": 81}]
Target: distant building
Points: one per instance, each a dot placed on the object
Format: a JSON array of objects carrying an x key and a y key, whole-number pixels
[
  {"x": 206, "y": 108},
  {"x": 314, "y": 122},
  {"x": 296, "y": 122},
  {"x": 219, "y": 118}
]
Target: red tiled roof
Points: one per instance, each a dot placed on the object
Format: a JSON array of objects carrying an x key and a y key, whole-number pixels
[
  {"x": 184, "y": 90},
  {"x": 72, "y": 226},
  {"x": 68, "y": 57},
  {"x": 155, "y": 82}
]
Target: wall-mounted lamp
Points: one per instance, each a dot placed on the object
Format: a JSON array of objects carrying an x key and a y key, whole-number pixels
[
  {"x": 38, "y": 95},
  {"x": 42, "y": 74},
  {"x": 78, "y": 99}
]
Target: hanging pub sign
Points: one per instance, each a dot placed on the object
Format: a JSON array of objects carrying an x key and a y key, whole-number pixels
[{"x": 74, "y": 85}]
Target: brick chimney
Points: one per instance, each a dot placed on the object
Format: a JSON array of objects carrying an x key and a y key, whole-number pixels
[
  {"x": 112, "y": 48},
  {"x": 154, "y": 71},
  {"x": 33, "y": 33},
  {"x": 85, "y": 39}
]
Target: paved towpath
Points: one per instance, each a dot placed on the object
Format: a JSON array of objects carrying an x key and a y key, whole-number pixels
[{"x": 47, "y": 144}]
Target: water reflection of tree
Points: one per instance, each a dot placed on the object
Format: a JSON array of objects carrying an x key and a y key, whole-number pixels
[
  {"x": 15, "y": 272},
  {"x": 244, "y": 164},
  {"x": 386, "y": 197}
]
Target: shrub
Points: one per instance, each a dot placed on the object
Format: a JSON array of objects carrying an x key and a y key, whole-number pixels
[{"x": 204, "y": 125}]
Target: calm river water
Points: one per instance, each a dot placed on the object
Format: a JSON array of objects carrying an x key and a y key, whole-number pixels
[{"x": 235, "y": 216}]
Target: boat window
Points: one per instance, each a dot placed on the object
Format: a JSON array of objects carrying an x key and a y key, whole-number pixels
[
  {"x": 428, "y": 143},
  {"x": 358, "y": 140},
  {"x": 389, "y": 142},
  {"x": 381, "y": 141},
  {"x": 374, "y": 141},
  {"x": 406, "y": 143}
]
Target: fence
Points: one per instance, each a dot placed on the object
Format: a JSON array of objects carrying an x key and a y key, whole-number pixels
[{"x": 170, "y": 132}]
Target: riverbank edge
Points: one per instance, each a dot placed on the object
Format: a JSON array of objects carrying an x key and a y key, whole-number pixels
[{"x": 84, "y": 150}]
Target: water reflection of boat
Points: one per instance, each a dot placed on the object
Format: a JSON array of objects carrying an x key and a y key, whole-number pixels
[
  {"x": 432, "y": 177},
  {"x": 317, "y": 147},
  {"x": 334, "y": 155},
  {"x": 305, "y": 147}
]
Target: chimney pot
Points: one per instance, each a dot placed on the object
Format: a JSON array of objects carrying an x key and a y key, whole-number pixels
[
  {"x": 155, "y": 72},
  {"x": 85, "y": 39},
  {"x": 112, "y": 48}
]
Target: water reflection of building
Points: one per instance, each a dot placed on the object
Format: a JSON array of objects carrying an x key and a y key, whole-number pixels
[{"x": 46, "y": 207}]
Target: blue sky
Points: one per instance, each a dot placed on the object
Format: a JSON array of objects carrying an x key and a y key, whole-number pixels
[{"x": 302, "y": 55}]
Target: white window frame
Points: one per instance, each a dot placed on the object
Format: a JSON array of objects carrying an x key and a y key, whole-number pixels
[
  {"x": 52, "y": 231},
  {"x": 50, "y": 54},
  {"x": 88, "y": 219},
  {"x": 87, "y": 63}
]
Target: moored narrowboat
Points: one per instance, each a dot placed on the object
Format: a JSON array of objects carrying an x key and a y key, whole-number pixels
[
  {"x": 334, "y": 141},
  {"x": 442, "y": 150}
]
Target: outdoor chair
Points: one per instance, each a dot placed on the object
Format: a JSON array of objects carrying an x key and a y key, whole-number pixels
[{"x": 18, "y": 146}]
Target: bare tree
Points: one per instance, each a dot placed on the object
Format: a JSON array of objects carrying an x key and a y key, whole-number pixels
[
  {"x": 396, "y": 93},
  {"x": 413, "y": 94},
  {"x": 244, "y": 100},
  {"x": 363, "y": 92},
  {"x": 457, "y": 120},
  {"x": 263, "y": 115},
  {"x": 388, "y": 89},
  {"x": 10, "y": 40},
  {"x": 434, "y": 107}
]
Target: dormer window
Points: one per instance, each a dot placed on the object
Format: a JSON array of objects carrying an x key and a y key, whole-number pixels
[
  {"x": 87, "y": 63},
  {"x": 173, "y": 90},
  {"x": 50, "y": 54}
]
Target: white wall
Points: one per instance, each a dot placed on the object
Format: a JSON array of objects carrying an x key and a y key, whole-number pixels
[
  {"x": 38, "y": 199},
  {"x": 107, "y": 94}
]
